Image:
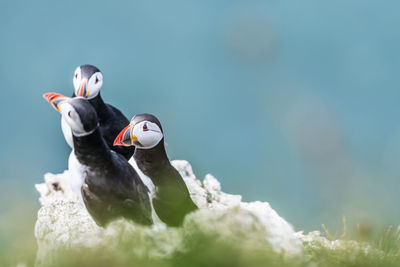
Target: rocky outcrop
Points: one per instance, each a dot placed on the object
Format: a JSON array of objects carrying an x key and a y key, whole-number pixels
[{"x": 63, "y": 222}]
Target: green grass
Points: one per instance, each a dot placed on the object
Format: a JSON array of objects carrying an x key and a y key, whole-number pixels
[
  {"x": 201, "y": 250},
  {"x": 18, "y": 245}
]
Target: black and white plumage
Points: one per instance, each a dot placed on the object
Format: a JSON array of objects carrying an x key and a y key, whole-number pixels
[
  {"x": 88, "y": 80},
  {"x": 171, "y": 199},
  {"x": 111, "y": 188}
]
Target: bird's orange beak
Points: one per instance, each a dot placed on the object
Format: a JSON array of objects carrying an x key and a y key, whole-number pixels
[
  {"x": 125, "y": 138},
  {"x": 82, "y": 90},
  {"x": 55, "y": 99}
]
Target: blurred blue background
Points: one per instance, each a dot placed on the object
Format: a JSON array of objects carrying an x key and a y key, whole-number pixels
[{"x": 290, "y": 102}]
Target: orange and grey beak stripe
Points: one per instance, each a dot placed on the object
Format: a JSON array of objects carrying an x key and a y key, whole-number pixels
[
  {"x": 124, "y": 138},
  {"x": 55, "y": 99},
  {"x": 82, "y": 91}
]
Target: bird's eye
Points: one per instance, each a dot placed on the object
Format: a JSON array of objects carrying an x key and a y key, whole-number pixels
[
  {"x": 97, "y": 80},
  {"x": 70, "y": 114},
  {"x": 76, "y": 75},
  {"x": 145, "y": 127}
]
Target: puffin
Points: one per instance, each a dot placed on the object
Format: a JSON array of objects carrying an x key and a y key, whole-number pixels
[
  {"x": 88, "y": 80},
  {"x": 111, "y": 188},
  {"x": 171, "y": 198}
]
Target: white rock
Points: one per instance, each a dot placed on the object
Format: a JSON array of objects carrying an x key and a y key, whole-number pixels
[
  {"x": 64, "y": 222},
  {"x": 197, "y": 191},
  {"x": 315, "y": 242},
  {"x": 277, "y": 231},
  {"x": 55, "y": 187}
]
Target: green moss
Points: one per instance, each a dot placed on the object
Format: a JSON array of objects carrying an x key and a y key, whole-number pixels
[{"x": 206, "y": 251}]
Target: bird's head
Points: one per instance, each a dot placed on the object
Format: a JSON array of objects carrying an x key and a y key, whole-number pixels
[
  {"x": 87, "y": 81},
  {"x": 77, "y": 112},
  {"x": 144, "y": 131}
]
